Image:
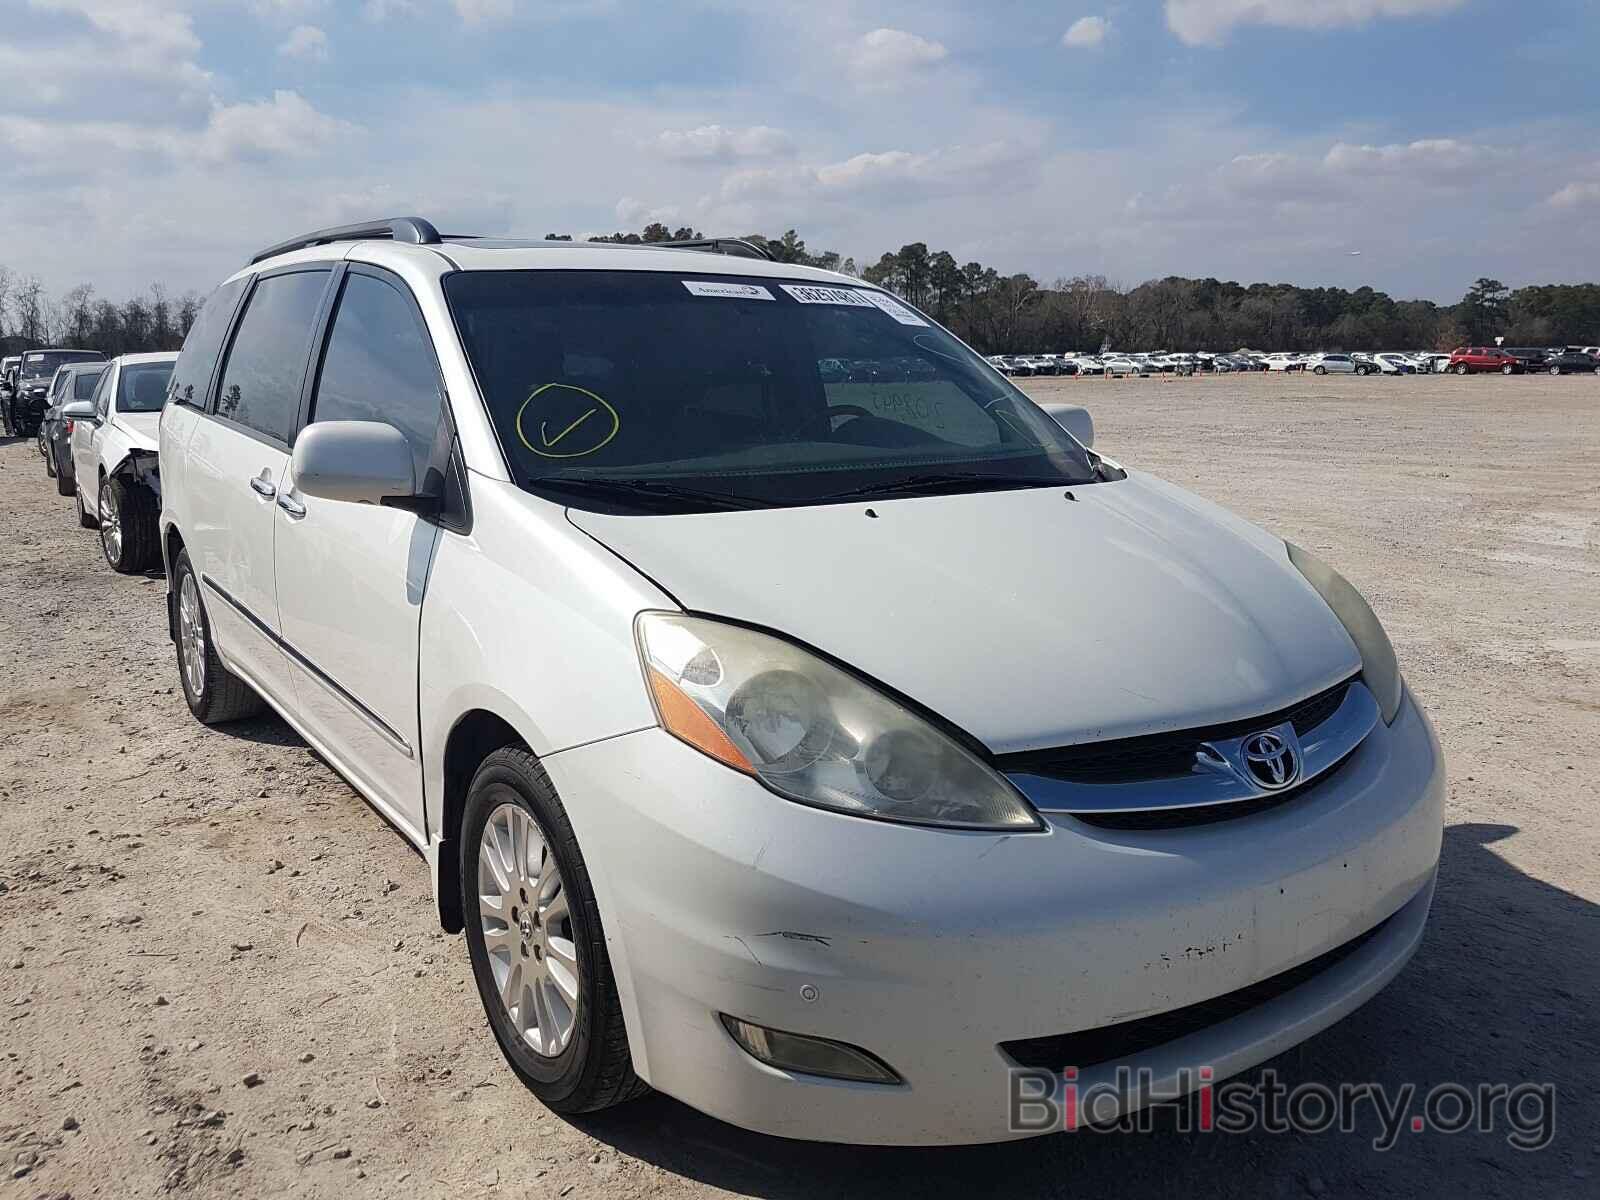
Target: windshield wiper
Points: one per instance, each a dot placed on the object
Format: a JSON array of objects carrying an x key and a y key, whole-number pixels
[
  {"x": 936, "y": 481},
  {"x": 652, "y": 488}
]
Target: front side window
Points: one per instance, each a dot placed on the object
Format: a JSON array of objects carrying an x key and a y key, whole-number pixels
[
  {"x": 102, "y": 394},
  {"x": 266, "y": 365},
  {"x": 142, "y": 387},
  {"x": 379, "y": 366},
  {"x": 644, "y": 391}
]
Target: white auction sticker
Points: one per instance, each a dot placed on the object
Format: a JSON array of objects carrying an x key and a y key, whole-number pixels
[
  {"x": 807, "y": 293},
  {"x": 895, "y": 309},
  {"x": 727, "y": 291}
]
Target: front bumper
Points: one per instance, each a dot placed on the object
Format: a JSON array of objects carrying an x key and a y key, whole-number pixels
[{"x": 931, "y": 948}]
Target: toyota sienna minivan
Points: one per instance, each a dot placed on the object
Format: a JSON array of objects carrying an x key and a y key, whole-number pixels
[{"x": 795, "y": 717}]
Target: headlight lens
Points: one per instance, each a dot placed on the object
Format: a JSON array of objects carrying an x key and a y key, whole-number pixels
[
  {"x": 812, "y": 732},
  {"x": 1379, "y": 666}
]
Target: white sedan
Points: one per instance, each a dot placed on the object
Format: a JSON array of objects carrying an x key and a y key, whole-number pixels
[
  {"x": 844, "y": 757},
  {"x": 1285, "y": 362},
  {"x": 1332, "y": 364},
  {"x": 114, "y": 455}
]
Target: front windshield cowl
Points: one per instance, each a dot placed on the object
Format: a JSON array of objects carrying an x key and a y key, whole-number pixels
[{"x": 652, "y": 392}]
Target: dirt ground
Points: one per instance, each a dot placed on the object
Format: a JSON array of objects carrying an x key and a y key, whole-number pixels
[{"x": 220, "y": 974}]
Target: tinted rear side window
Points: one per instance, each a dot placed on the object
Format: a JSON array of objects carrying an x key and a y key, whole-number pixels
[
  {"x": 83, "y": 384},
  {"x": 380, "y": 367},
  {"x": 192, "y": 373},
  {"x": 143, "y": 386},
  {"x": 266, "y": 366}
]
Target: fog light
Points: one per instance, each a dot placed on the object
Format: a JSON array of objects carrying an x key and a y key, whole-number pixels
[{"x": 808, "y": 1055}]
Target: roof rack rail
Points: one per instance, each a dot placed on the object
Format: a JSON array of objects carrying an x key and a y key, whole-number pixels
[
  {"x": 738, "y": 247},
  {"x": 400, "y": 229}
]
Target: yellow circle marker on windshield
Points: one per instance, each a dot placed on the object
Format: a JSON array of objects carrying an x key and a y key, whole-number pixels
[{"x": 573, "y": 429}]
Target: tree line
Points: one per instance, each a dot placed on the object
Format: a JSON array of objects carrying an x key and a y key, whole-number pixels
[{"x": 994, "y": 312}]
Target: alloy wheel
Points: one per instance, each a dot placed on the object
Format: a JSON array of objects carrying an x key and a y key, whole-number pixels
[
  {"x": 527, "y": 930},
  {"x": 110, "y": 523},
  {"x": 191, "y": 636}
]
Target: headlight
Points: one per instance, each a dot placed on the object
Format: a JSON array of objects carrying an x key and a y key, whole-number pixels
[
  {"x": 1379, "y": 666},
  {"x": 814, "y": 733}
]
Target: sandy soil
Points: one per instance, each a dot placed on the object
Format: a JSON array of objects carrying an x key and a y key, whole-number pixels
[{"x": 220, "y": 974}]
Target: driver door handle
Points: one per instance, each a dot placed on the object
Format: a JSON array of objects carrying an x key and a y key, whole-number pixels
[
  {"x": 291, "y": 506},
  {"x": 262, "y": 486}
]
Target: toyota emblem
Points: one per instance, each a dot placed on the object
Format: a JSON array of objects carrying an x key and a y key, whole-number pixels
[{"x": 1272, "y": 762}]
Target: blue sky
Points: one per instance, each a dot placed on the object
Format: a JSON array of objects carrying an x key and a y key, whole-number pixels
[{"x": 1410, "y": 144}]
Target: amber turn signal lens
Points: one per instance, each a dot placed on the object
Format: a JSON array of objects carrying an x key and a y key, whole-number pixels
[{"x": 685, "y": 720}]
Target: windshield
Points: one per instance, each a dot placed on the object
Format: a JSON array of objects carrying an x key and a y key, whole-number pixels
[
  {"x": 651, "y": 391},
  {"x": 45, "y": 362},
  {"x": 142, "y": 387}
]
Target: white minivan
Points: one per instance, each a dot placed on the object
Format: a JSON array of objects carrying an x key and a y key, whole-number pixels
[{"x": 845, "y": 751}]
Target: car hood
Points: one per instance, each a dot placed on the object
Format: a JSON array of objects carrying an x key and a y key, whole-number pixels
[
  {"x": 143, "y": 428},
  {"x": 1027, "y": 620}
]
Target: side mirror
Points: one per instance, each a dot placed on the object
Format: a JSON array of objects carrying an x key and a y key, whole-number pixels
[
  {"x": 79, "y": 410},
  {"x": 359, "y": 462},
  {"x": 1075, "y": 419}
]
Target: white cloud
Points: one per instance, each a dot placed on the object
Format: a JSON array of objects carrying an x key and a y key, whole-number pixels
[
  {"x": 1208, "y": 22},
  {"x": 887, "y": 53},
  {"x": 1430, "y": 158},
  {"x": 952, "y": 169},
  {"x": 485, "y": 12},
  {"x": 636, "y": 214},
  {"x": 307, "y": 43},
  {"x": 156, "y": 25},
  {"x": 379, "y": 11},
  {"x": 1578, "y": 194},
  {"x": 1086, "y": 32},
  {"x": 286, "y": 10},
  {"x": 285, "y": 126},
  {"x": 717, "y": 143}
]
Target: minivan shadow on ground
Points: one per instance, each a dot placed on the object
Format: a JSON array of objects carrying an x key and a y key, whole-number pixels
[{"x": 1502, "y": 990}]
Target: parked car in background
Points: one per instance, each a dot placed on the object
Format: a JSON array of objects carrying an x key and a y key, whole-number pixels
[
  {"x": 1572, "y": 362},
  {"x": 8, "y": 384},
  {"x": 115, "y": 441},
  {"x": 1285, "y": 362},
  {"x": 1531, "y": 360},
  {"x": 74, "y": 382},
  {"x": 1472, "y": 360},
  {"x": 1334, "y": 364},
  {"x": 462, "y": 522},
  {"x": 1392, "y": 363},
  {"x": 1089, "y": 364},
  {"x": 999, "y": 363},
  {"x": 1434, "y": 363},
  {"x": 1118, "y": 365},
  {"x": 34, "y": 375}
]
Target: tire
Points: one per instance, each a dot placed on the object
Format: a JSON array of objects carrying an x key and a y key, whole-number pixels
[
  {"x": 129, "y": 536},
  {"x": 1319, "y": 370},
  {"x": 1461, "y": 368},
  {"x": 66, "y": 483},
  {"x": 1507, "y": 369},
  {"x": 221, "y": 696},
  {"x": 47, "y": 452},
  {"x": 593, "y": 1068},
  {"x": 1555, "y": 369},
  {"x": 85, "y": 521}
]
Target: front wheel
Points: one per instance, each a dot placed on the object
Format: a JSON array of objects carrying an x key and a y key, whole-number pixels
[
  {"x": 1461, "y": 368},
  {"x": 66, "y": 484},
  {"x": 1555, "y": 369},
  {"x": 46, "y": 453},
  {"x": 1320, "y": 370},
  {"x": 1507, "y": 369},
  {"x": 533, "y": 934},
  {"x": 128, "y": 533}
]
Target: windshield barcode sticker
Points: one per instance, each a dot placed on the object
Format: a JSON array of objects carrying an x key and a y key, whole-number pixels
[
  {"x": 810, "y": 294},
  {"x": 727, "y": 291},
  {"x": 895, "y": 309}
]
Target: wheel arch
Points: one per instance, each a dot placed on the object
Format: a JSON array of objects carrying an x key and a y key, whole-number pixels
[{"x": 476, "y": 734}]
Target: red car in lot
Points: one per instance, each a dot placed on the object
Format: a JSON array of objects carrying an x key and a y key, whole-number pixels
[{"x": 1465, "y": 360}]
